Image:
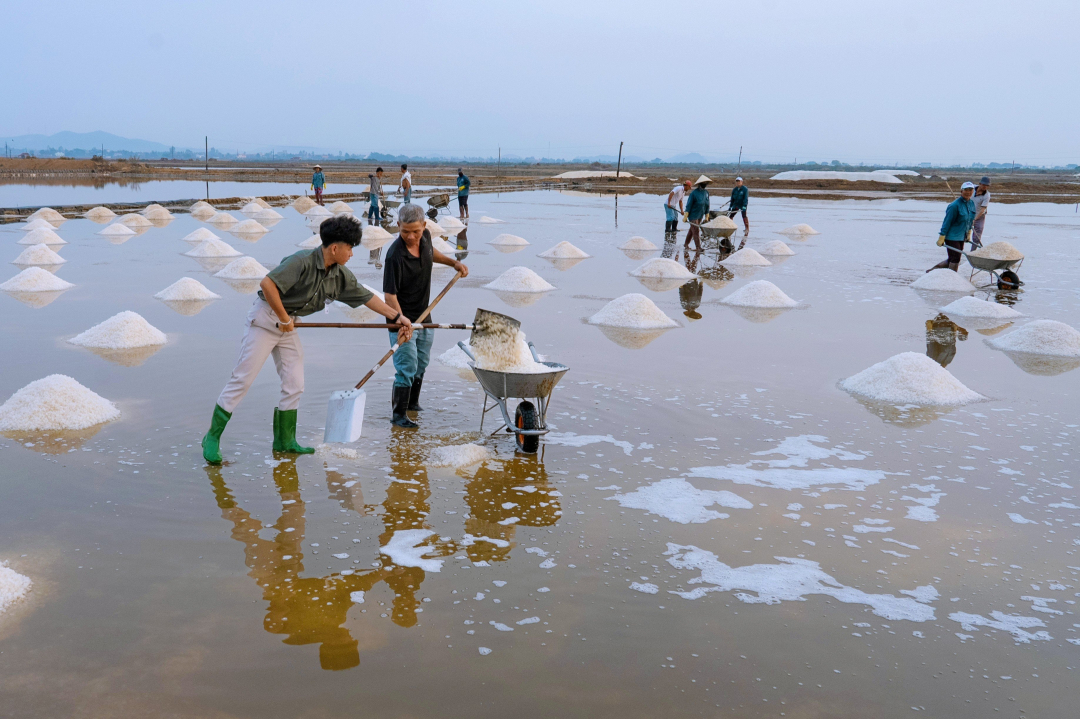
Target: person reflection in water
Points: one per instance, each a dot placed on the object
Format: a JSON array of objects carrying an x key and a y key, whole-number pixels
[
  {"x": 942, "y": 334},
  {"x": 690, "y": 292},
  {"x": 500, "y": 499}
]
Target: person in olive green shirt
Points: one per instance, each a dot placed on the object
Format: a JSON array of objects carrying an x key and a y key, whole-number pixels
[{"x": 302, "y": 284}]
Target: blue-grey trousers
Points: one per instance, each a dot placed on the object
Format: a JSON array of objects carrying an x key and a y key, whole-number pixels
[{"x": 411, "y": 358}]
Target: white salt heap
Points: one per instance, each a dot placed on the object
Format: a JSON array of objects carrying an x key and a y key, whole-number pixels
[
  {"x": 267, "y": 213},
  {"x": 776, "y": 248},
  {"x": 122, "y": 331},
  {"x": 151, "y": 207},
  {"x": 335, "y": 451},
  {"x": 637, "y": 243},
  {"x": 251, "y": 208},
  {"x": 362, "y": 313},
  {"x": 258, "y": 201},
  {"x": 632, "y": 311},
  {"x": 38, "y": 255},
  {"x": 564, "y": 251},
  {"x": 442, "y": 246},
  {"x": 303, "y": 204},
  {"x": 186, "y": 289},
  {"x": 117, "y": 230},
  {"x": 99, "y": 213},
  {"x": 434, "y": 228},
  {"x": 311, "y": 242},
  {"x": 213, "y": 248},
  {"x": 998, "y": 251},
  {"x": 799, "y": 230},
  {"x": 38, "y": 224},
  {"x": 499, "y": 351},
  {"x": 943, "y": 280},
  {"x": 249, "y": 227},
  {"x": 48, "y": 214},
  {"x": 455, "y": 358},
  {"x": 910, "y": 378},
  {"x": 972, "y": 307},
  {"x": 760, "y": 293},
  {"x": 13, "y": 587},
  {"x": 520, "y": 279},
  {"x": 157, "y": 213},
  {"x": 339, "y": 207},
  {"x": 245, "y": 268},
  {"x": 199, "y": 235},
  {"x": 318, "y": 211},
  {"x": 746, "y": 257},
  {"x": 134, "y": 220},
  {"x": 663, "y": 268},
  {"x": 509, "y": 241},
  {"x": 375, "y": 237},
  {"x": 223, "y": 218},
  {"x": 55, "y": 402},
  {"x": 201, "y": 206},
  {"x": 35, "y": 279},
  {"x": 452, "y": 224},
  {"x": 1043, "y": 337},
  {"x": 458, "y": 455},
  {"x": 42, "y": 237},
  {"x": 488, "y": 220},
  {"x": 720, "y": 222}
]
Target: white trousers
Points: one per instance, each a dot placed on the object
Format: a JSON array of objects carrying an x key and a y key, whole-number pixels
[{"x": 262, "y": 339}]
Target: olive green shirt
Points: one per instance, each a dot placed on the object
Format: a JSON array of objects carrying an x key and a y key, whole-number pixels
[{"x": 306, "y": 286}]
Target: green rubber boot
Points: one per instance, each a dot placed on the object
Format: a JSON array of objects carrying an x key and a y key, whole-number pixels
[
  {"x": 211, "y": 443},
  {"x": 285, "y": 433}
]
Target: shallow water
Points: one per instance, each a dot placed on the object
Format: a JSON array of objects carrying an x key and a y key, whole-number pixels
[{"x": 161, "y": 585}]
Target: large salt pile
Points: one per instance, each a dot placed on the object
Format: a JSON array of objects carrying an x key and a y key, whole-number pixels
[
  {"x": 38, "y": 224},
  {"x": 151, "y": 207},
  {"x": 201, "y": 206},
  {"x": 520, "y": 279},
  {"x": 318, "y": 211},
  {"x": 311, "y": 242},
  {"x": 746, "y": 257},
  {"x": 434, "y": 228},
  {"x": 374, "y": 237},
  {"x": 48, "y": 214},
  {"x": 117, "y": 230},
  {"x": 13, "y": 587},
  {"x": 186, "y": 289},
  {"x": 972, "y": 307},
  {"x": 442, "y": 246},
  {"x": 998, "y": 251},
  {"x": 38, "y": 255},
  {"x": 52, "y": 403},
  {"x": 99, "y": 213},
  {"x": 157, "y": 213},
  {"x": 458, "y": 455},
  {"x": 943, "y": 280},
  {"x": 42, "y": 237},
  {"x": 267, "y": 214},
  {"x": 509, "y": 241},
  {"x": 199, "y": 235},
  {"x": 802, "y": 229},
  {"x": 258, "y": 201},
  {"x": 760, "y": 293},
  {"x": 134, "y": 221},
  {"x": 223, "y": 219},
  {"x": 564, "y": 251},
  {"x": 720, "y": 222},
  {"x": 451, "y": 225},
  {"x": 339, "y": 207},
  {"x": 910, "y": 378},
  {"x": 1042, "y": 337},
  {"x": 632, "y": 311},
  {"x": 35, "y": 279},
  {"x": 499, "y": 351},
  {"x": 251, "y": 208},
  {"x": 303, "y": 204},
  {"x": 249, "y": 227},
  {"x": 637, "y": 243},
  {"x": 122, "y": 331},
  {"x": 661, "y": 267},
  {"x": 213, "y": 248},
  {"x": 776, "y": 248},
  {"x": 245, "y": 268},
  {"x": 489, "y": 220}
]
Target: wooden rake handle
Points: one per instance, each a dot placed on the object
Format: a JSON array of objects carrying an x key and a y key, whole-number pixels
[{"x": 422, "y": 317}]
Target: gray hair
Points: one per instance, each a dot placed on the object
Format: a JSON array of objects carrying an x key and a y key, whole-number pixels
[{"x": 410, "y": 213}]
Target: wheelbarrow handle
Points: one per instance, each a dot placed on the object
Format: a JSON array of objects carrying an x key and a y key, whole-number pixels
[
  {"x": 466, "y": 350},
  {"x": 382, "y": 326}
]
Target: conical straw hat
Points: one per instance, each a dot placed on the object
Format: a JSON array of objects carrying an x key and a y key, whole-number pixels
[{"x": 701, "y": 180}]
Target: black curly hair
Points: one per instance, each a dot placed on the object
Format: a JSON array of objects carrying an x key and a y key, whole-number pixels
[{"x": 342, "y": 228}]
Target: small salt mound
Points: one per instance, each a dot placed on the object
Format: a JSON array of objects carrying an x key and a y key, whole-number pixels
[
  {"x": 638, "y": 243},
  {"x": 52, "y": 403},
  {"x": 520, "y": 279},
  {"x": 509, "y": 241},
  {"x": 720, "y": 222},
  {"x": 303, "y": 204},
  {"x": 451, "y": 223},
  {"x": 564, "y": 251},
  {"x": 200, "y": 235},
  {"x": 251, "y": 208},
  {"x": 134, "y": 220},
  {"x": 318, "y": 211},
  {"x": 311, "y": 242},
  {"x": 799, "y": 230},
  {"x": 186, "y": 289},
  {"x": 249, "y": 227},
  {"x": 663, "y": 268},
  {"x": 223, "y": 218},
  {"x": 632, "y": 311},
  {"x": 339, "y": 207},
  {"x": 375, "y": 237},
  {"x": 201, "y": 206},
  {"x": 35, "y": 279},
  {"x": 159, "y": 213},
  {"x": 245, "y": 268},
  {"x": 489, "y": 220},
  {"x": 38, "y": 255},
  {"x": 117, "y": 230},
  {"x": 1043, "y": 337},
  {"x": 943, "y": 280},
  {"x": 746, "y": 257},
  {"x": 48, "y": 214},
  {"x": 43, "y": 237},
  {"x": 776, "y": 248},
  {"x": 13, "y": 587},
  {"x": 910, "y": 378},
  {"x": 760, "y": 293},
  {"x": 362, "y": 313},
  {"x": 99, "y": 213},
  {"x": 443, "y": 246},
  {"x": 122, "y": 331},
  {"x": 267, "y": 213},
  {"x": 151, "y": 207},
  {"x": 335, "y": 451},
  {"x": 435, "y": 228},
  {"x": 498, "y": 352},
  {"x": 458, "y": 455},
  {"x": 998, "y": 251},
  {"x": 258, "y": 201},
  {"x": 38, "y": 224},
  {"x": 213, "y": 248},
  {"x": 455, "y": 358},
  {"x": 972, "y": 307}
]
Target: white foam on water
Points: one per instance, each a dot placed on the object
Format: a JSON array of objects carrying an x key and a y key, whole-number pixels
[
  {"x": 644, "y": 588},
  {"x": 679, "y": 501},
  {"x": 213, "y": 248},
  {"x": 569, "y": 439},
  {"x": 458, "y": 455},
  {"x": 1018, "y": 518},
  {"x": 1043, "y": 337},
  {"x": 335, "y": 451},
  {"x": 186, "y": 289},
  {"x": 13, "y": 587},
  {"x": 564, "y": 251},
  {"x": 910, "y": 378},
  {"x": 943, "y": 280},
  {"x": 776, "y": 248},
  {"x": 632, "y": 311},
  {"x": 38, "y": 255},
  {"x": 638, "y": 243},
  {"x": 759, "y": 293},
  {"x": 509, "y": 241},
  {"x": 125, "y": 330},
  {"x": 1014, "y": 624},
  {"x": 746, "y": 257},
  {"x": 356, "y": 597},
  {"x": 973, "y": 307},
  {"x": 405, "y": 550},
  {"x": 520, "y": 279},
  {"x": 53, "y": 403},
  {"x": 35, "y": 279},
  {"x": 244, "y": 268},
  {"x": 664, "y": 268}
]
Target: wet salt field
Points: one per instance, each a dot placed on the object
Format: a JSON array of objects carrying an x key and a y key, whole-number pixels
[{"x": 712, "y": 528}]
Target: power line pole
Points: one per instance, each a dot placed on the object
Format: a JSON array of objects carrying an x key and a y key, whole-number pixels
[
  {"x": 740, "y": 160},
  {"x": 498, "y": 170},
  {"x": 206, "y": 157},
  {"x": 618, "y": 168}
]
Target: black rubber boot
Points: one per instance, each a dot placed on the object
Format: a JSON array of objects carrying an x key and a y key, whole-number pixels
[
  {"x": 414, "y": 395},
  {"x": 400, "y": 405}
]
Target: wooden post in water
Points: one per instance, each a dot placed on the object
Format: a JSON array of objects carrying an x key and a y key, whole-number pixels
[
  {"x": 740, "y": 161},
  {"x": 206, "y": 157},
  {"x": 498, "y": 168},
  {"x": 618, "y": 167}
]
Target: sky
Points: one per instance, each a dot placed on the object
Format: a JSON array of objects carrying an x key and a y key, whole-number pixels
[{"x": 912, "y": 81}]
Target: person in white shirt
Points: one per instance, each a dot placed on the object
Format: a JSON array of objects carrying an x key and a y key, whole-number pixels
[
  {"x": 405, "y": 184},
  {"x": 673, "y": 207},
  {"x": 982, "y": 204}
]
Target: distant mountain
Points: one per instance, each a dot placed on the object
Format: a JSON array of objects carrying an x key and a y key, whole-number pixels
[{"x": 84, "y": 141}]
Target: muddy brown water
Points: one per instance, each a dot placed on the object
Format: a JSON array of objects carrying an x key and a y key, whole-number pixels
[{"x": 163, "y": 587}]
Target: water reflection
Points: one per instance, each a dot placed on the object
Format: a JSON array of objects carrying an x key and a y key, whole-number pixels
[
  {"x": 942, "y": 334},
  {"x": 691, "y": 292},
  {"x": 54, "y": 441},
  {"x": 502, "y": 497},
  {"x": 36, "y": 300},
  {"x": 1043, "y": 365}
]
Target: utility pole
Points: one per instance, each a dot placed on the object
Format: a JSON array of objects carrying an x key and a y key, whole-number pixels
[
  {"x": 740, "y": 160},
  {"x": 206, "y": 157},
  {"x": 618, "y": 168},
  {"x": 498, "y": 169}
]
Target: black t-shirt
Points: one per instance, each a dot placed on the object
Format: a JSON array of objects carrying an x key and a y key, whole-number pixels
[{"x": 409, "y": 277}]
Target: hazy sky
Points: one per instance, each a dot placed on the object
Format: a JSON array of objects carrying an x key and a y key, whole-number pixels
[{"x": 876, "y": 81}]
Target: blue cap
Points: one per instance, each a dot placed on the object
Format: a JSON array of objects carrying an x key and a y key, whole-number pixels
[{"x": 985, "y": 181}]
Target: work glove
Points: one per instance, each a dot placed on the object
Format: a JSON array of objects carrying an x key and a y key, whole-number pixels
[{"x": 941, "y": 241}]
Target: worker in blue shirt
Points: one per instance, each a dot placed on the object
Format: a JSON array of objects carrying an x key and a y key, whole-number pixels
[
  {"x": 956, "y": 228},
  {"x": 740, "y": 200},
  {"x": 463, "y": 194},
  {"x": 697, "y": 211},
  {"x": 318, "y": 183}
]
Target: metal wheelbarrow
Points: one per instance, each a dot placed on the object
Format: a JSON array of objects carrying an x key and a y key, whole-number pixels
[
  {"x": 438, "y": 202},
  {"x": 998, "y": 270},
  {"x": 530, "y": 421}
]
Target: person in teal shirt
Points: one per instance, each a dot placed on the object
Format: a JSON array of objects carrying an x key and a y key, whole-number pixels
[
  {"x": 697, "y": 210},
  {"x": 318, "y": 183},
  {"x": 463, "y": 194},
  {"x": 740, "y": 200},
  {"x": 956, "y": 228}
]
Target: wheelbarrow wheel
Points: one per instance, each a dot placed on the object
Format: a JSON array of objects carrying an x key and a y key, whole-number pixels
[
  {"x": 525, "y": 418},
  {"x": 433, "y": 213}
]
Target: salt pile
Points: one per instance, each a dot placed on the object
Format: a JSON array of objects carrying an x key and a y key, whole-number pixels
[
  {"x": 455, "y": 358},
  {"x": 638, "y": 243},
  {"x": 199, "y": 235},
  {"x": 35, "y": 279},
  {"x": 38, "y": 255},
  {"x": 520, "y": 279},
  {"x": 663, "y": 268},
  {"x": 509, "y": 241},
  {"x": 48, "y": 214},
  {"x": 318, "y": 211},
  {"x": 564, "y": 251},
  {"x": 458, "y": 455},
  {"x": 55, "y": 402},
  {"x": 223, "y": 219},
  {"x": 213, "y": 248},
  {"x": 375, "y": 237},
  {"x": 799, "y": 230},
  {"x": 251, "y": 208},
  {"x": 720, "y": 222},
  {"x": 746, "y": 257},
  {"x": 157, "y": 213},
  {"x": 266, "y": 214},
  {"x": 38, "y": 224},
  {"x": 99, "y": 213},
  {"x": 972, "y": 307},
  {"x": 117, "y": 230},
  {"x": 1043, "y": 337},
  {"x": 249, "y": 227},
  {"x": 489, "y": 220},
  {"x": 760, "y": 293},
  {"x": 434, "y": 228},
  {"x": 258, "y": 201},
  {"x": 42, "y": 237},
  {"x": 245, "y": 268},
  {"x": 303, "y": 204},
  {"x": 362, "y": 313},
  {"x": 943, "y": 280},
  {"x": 13, "y": 587},
  {"x": 442, "y": 246},
  {"x": 185, "y": 290},
  {"x": 910, "y": 378},
  {"x": 134, "y": 220},
  {"x": 201, "y": 206},
  {"x": 632, "y": 311},
  {"x": 776, "y": 248},
  {"x": 339, "y": 207},
  {"x": 122, "y": 331},
  {"x": 452, "y": 225},
  {"x": 998, "y": 251},
  {"x": 335, "y": 451},
  {"x": 311, "y": 242},
  {"x": 151, "y": 207},
  {"x": 499, "y": 351}
]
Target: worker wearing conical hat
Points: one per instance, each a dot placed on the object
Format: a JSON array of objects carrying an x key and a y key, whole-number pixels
[
  {"x": 318, "y": 183},
  {"x": 740, "y": 200},
  {"x": 697, "y": 209}
]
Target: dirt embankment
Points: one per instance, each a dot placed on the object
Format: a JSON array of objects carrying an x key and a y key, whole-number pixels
[{"x": 19, "y": 166}]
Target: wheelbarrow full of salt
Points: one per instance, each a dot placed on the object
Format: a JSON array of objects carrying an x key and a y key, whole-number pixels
[{"x": 1002, "y": 272}]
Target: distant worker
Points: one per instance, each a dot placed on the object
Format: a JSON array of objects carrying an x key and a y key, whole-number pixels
[
  {"x": 405, "y": 184},
  {"x": 956, "y": 228},
  {"x": 673, "y": 207},
  {"x": 697, "y": 209},
  {"x": 740, "y": 200},
  {"x": 318, "y": 182},
  {"x": 375, "y": 191},
  {"x": 463, "y": 183},
  {"x": 982, "y": 204}
]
